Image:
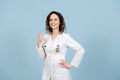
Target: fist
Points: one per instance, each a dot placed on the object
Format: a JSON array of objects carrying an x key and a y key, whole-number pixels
[{"x": 40, "y": 39}]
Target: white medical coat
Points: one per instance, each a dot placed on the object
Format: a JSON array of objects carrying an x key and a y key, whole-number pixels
[{"x": 47, "y": 50}]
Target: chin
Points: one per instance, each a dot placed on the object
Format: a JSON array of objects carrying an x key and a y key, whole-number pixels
[{"x": 53, "y": 27}]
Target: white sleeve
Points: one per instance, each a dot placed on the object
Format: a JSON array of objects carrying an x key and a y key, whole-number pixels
[
  {"x": 41, "y": 50},
  {"x": 79, "y": 50}
]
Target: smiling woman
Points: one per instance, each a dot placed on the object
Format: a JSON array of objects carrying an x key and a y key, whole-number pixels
[
  {"x": 55, "y": 18},
  {"x": 54, "y": 21},
  {"x": 52, "y": 47}
]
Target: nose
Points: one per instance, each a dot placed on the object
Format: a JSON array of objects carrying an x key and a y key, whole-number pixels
[{"x": 52, "y": 22}]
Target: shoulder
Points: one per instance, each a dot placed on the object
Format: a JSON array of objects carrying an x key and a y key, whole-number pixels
[
  {"x": 66, "y": 35},
  {"x": 46, "y": 35}
]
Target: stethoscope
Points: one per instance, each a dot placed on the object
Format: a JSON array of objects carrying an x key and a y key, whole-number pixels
[{"x": 57, "y": 47}]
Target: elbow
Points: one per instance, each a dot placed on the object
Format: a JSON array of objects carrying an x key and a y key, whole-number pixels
[
  {"x": 41, "y": 52},
  {"x": 83, "y": 50}
]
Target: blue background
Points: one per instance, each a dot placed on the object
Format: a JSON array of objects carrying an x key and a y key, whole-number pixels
[{"x": 95, "y": 24}]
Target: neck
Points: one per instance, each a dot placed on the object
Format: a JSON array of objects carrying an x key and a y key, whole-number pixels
[{"x": 55, "y": 32}]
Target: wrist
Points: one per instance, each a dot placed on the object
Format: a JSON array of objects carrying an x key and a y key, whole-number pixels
[
  {"x": 70, "y": 66},
  {"x": 38, "y": 44}
]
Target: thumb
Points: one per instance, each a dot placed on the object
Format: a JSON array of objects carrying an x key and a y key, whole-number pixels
[{"x": 39, "y": 34}]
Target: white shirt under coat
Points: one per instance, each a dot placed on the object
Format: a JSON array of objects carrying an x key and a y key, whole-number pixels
[{"x": 47, "y": 51}]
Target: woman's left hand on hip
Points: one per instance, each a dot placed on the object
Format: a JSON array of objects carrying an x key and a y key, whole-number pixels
[{"x": 64, "y": 64}]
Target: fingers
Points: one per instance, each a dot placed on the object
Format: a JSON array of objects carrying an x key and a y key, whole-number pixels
[
  {"x": 63, "y": 63},
  {"x": 40, "y": 37},
  {"x": 38, "y": 33}
]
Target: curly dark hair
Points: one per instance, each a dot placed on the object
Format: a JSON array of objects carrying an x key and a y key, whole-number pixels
[{"x": 62, "y": 22}]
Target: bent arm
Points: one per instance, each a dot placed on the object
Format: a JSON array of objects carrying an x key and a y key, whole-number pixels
[
  {"x": 77, "y": 57},
  {"x": 41, "y": 50},
  {"x": 79, "y": 50},
  {"x": 40, "y": 47}
]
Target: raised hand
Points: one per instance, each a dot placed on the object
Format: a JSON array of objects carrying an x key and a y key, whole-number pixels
[{"x": 40, "y": 39}]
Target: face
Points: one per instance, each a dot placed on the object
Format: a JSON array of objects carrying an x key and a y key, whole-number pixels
[{"x": 54, "y": 21}]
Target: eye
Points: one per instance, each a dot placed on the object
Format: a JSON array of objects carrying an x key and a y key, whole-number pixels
[
  {"x": 50, "y": 19},
  {"x": 55, "y": 19}
]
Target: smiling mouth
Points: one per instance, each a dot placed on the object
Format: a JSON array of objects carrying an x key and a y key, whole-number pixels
[{"x": 53, "y": 25}]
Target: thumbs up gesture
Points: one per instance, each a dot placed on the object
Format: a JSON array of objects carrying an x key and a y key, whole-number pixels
[{"x": 40, "y": 39}]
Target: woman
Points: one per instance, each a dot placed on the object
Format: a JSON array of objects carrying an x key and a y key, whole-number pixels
[{"x": 53, "y": 46}]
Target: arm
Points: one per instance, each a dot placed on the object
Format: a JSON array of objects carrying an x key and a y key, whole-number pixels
[
  {"x": 40, "y": 50},
  {"x": 79, "y": 50},
  {"x": 39, "y": 47}
]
